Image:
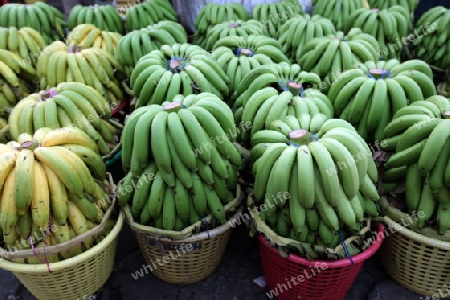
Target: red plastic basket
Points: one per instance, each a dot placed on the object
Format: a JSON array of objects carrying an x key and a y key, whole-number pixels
[{"x": 298, "y": 278}]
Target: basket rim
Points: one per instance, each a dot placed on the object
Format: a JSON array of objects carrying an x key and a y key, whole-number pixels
[
  {"x": 344, "y": 262},
  {"x": 67, "y": 263},
  {"x": 417, "y": 236}
]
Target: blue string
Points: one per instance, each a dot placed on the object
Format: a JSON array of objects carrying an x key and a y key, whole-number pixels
[
  {"x": 114, "y": 159},
  {"x": 370, "y": 76},
  {"x": 237, "y": 52},
  {"x": 283, "y": 86},
  {"x": 179, "y": 68},
  {"x": 313, "y": 137},
  {"x": 302, "y": 92},
  {"x": 206, "y": 223},
  {"x": 347, "y": 252}
]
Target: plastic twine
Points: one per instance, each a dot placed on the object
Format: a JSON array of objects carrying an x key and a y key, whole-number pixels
[
  {"x": 180, "y": 67},
  {"x": 283, "y": 86},
  {"x": 115, "y": 158},
  {"x": 344, "y": 245},
  {"x": 33, "y": 249},
  {"x": 237, "y": 52},
  {"x": 371, "y": 76},
  {"x": 203, "y": 220}
]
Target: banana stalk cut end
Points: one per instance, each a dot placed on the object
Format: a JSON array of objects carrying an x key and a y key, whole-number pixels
[
  {"x": 300, "y": 136},
  {"x": 294, "y": 87},
  {"x": 375, "y": 9},
  {"x": 447, "y": 115},
  {"x": 378, "y": 73},
  {"x": 234, "y": 25},
  {"x": 246, "y": 52},
  {"x": 172, "y": 107},
  {"x": 29, "y": 145}
]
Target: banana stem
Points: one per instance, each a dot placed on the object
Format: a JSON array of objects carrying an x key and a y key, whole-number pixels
[
  {"x": 174, "y": 63},
  {"x": 300, "y": 136},
  {"x": 234, "y": 25},
  {"x": 378, "y": 73},
  {"x": 294, "y": 87},
  {"x": 447, "y": 115},
  {"x": 173, "y": 106},
  {"x": 246, "y": 52},
  {"x": 29, "y": 145}
]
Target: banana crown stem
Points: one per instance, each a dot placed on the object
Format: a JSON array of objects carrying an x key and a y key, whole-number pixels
[
  {"x": 300, "y": 137},
  {"x": 176, "y": 64},
  {"x": 378, "y": 73},
  {"x": 244, "y": 51},
  {"x": 48, "y": 94},
  {"x": 294, "y": 87},
  {"x": 173, "y": 106},
  {"x": 447, "y": 115},
  {"x": 234, "y": 25}
]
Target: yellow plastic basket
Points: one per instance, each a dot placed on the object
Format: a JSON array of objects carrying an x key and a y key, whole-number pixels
[
  {"x": 184, "y": 260},
  {"x": 418, "y": 263},
  {"x": 71, "y": 279}
]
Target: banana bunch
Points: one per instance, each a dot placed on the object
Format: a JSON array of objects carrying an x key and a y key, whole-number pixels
[
  {"x": 314, "y": 182},
  {"x": 369, "y": 95},
  {"x": 93, "y": 66},
  {"x": 237, "y": 63},
  {"x": 3, "y": 124},
  {"x": 70, "y": 104},
  {"x": 266, "y": 104},
  {"x": 138, "y": 43},
  {"x": 44, "y": 18},
  {"x": 15, "y": 74},
  {"x": 433, "y": 43},
  {"x": 274, "y": 15},
  {"x": 26, "y": 42},
  {"x": 103, "y": 17},
  {"x": 443, "y": 88},
  {"x": 421, "y": 160},
  {"x": 410, "y": 5},
  {"x": 259, "y": 44},
  {"x": 337, "y": 11},
  {"x": 89, "y": 36},
  {"x": 148, "y": 13},
  {"x": 387, "y": 26},
  {"x": 297, "y": 31},
  {"x": 212, "y": 14},
  {"x": 178, "y": 69},
  {"x": 190, "y": 150},
  {"x": 331, "y": 55},
  {"x": 53, "y": 178},
  {"x": 232, "y": 28}
]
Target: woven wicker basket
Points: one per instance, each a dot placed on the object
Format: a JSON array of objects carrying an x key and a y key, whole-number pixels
[
  {"x": 419, "y": 263},
  {"x": 71, "y": 279},
  {"x": 185, "y": 260}
]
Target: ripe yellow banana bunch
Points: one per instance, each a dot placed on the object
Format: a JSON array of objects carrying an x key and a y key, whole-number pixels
[
  {"x": 26, "y": 42},
  {"x": 53, "y": 178},
  {"x": 309, "y": 182},
  {"x": 13, "y": 68},
  {"x": 87, "y": 36},
  {"x": 93, "y": 66},
  {"x": 70, "y": 104}
]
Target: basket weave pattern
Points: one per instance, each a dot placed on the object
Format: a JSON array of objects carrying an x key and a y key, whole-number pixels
[{"x": 420, "y": 264}]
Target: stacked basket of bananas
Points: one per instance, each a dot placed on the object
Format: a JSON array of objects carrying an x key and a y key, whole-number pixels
[
  {"x": 274, "y": 15},
  {"x": 87, "y": 36},
  {"x": 104, "y": 17},
  {"x": 44, "y": 18},
  {"x": 329, "y": 56},
  {"x": 190, "y": 168},
  {"x": 237, "y": 63},
  {"x": 212, "y": 14},
  {"x": 178, "y": 69},
  {"x": 411, "y": 5},
  {"x": 433, "y": 45},
  {"x": 15, "y": 76},
  {"x": 372, "y": 93},
  {"x": 388, "y": 26},
  {"x": 337, "y": 11},
  {"x": 148, "y": 13},
  {"x": 233, "y": 28},
  {"x": 299, "y": 30},
  {"x": 313, "y": 185},
  {"x": 94, "y": 67},
  {"x": 45, "y": 199},
  {"x": 70, "y": 104},
  {"x": 26, "y": 42},
  {"x": 418, "y": 139},
  {"x": 140, "y": 42}
]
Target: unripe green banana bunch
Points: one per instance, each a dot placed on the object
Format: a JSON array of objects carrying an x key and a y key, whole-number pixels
[
  {"x": 371, "y": 94},
  {"x": 26, "y": 42},
  {"x": 410, "y": 5},
  {"x": 89, "y": 36},
  {"x": 177, "y": 69},
  {"x": 52, "y": 178},
  {"x": 443, "y": 89},
  {"x": 274, "y": 15},
  {"x": 138, "y": 43},
  {"x": 237, "y": 63},
  {"x": 15, "y": 72},
  {"x": 433, "y": 45},
  {"x": 329, "y": 56},
  {"x": 70, "y": 104},
  {"x": 390, "y": 27},
  {"x": 44, "y": 18},
  {"x": 232, "y": 28},
  {"x": 268, "y": 76},
  {"x": 191, "y": 146},
  {"x": 148, "y": 13},
  {"x": 337, "y": 11},
  {"x": 212, "y": 14},
  {"x": 326, "y": 177},
  {"x": 259, "y": 44},
  {"x": 94, "y": 67},
  {"x": 299, "y": 30},
  {"x": 103, "y": 17}
]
